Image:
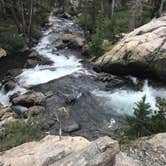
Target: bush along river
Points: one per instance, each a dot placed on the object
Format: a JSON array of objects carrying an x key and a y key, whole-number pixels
[{"x": 58, "y": 69}]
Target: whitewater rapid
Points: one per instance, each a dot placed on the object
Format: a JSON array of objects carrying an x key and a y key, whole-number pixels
[
  {"x": 122, "y": 101},
  {"x": 63, "y": 64},
  {"x": 66, "y": 63}
]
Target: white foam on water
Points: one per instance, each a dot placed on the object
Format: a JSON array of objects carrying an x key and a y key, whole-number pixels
[
  {"x": 4, "y": 97},
  {"x": 61, "y": 66},
  {"x": 123, "y": 101}
]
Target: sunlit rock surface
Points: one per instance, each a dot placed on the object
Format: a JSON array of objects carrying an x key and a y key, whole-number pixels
[
  {"x": 71, "y": 151},
  {"x": 141, "y": 52}
]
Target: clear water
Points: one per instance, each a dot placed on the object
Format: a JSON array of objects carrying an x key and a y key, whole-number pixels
[{"x": 122, "y": 101}]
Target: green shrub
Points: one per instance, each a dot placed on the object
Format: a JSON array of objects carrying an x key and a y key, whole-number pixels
[
  {"x": 96, "y": 47},
  {"x": 12, "y": 42},
  {"x": 20, "y": 131},
  {"x": 158, "y": 121},
  {"x": 105, "y": 29}
]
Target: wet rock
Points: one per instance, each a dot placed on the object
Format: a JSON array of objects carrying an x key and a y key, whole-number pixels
[
  {"x": 11, "y": 97},
  {"x": 73, "y": 41},
  {"x": 70, "y": 99},
  {"x": 116, "y": 83},
  {"x": 105, "y": 78},
  {"x": 66, "y": 15},
  {"x": 49, "y": 24},
  {"x": 86, "y": 109},
  {"x": 20, "y": 111},
  {"x": 39, "y": 60},
  {"x": 67, "y": 122},
  {"x": 2, "y": 53},
  {"x": 49, "y": 94},
  {"x": 36, "y": 110},
  {"x": 86, "y": 51},
  {"x": 29, "y": 99},
  {"x": 31, "y": 63},
  {"x": 10, "y": 85},
  {"x": 33, "y": 54},
  {"x": 14, "y": 72},
  {"x": 60, "y": 46},
  {"x": 44, "y": 61},
  {"x": 73, "y": 150}
]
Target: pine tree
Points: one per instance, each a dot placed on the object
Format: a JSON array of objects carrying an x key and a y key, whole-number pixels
[{"x": 139, "y": 124}]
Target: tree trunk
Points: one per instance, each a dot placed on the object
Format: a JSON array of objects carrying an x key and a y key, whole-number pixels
[
  {"x": 136, "y": 13},
  {"x": 22, "y": 17},
  {"x": 30, "y": 18},
  {"x": 161, "y": 7},
  {"x": 156, "y": 7},
  {"x": 16, "y": 20},
  {"x": 112, "y": 8},
  {"x": 3, "y": 8}
]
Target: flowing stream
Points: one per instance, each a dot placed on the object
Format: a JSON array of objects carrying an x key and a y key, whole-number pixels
[{"x": 67, "y": 62}]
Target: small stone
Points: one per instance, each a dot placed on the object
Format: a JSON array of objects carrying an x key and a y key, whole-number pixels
[
  {"x": 33, "y": 54},
  {"x": 10, "y": 85},
  {"x": 2, "y": 53}
]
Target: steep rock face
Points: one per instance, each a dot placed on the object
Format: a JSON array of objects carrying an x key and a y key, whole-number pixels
[
  {"x": 142, "y": 51},
  {"x": 71, "y": 151}
]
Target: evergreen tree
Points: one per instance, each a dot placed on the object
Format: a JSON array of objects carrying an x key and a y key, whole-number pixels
[
  {"x": 140, "y": 122},
  {"x": 158, "y": 121}
]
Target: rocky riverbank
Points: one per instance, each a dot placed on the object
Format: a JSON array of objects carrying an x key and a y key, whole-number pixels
[
  {"x": 57, "y": 81},
  {"x": 79, "y": 151}
]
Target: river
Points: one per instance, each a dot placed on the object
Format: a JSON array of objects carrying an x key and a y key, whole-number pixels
[{"x": 97, "y": 109}]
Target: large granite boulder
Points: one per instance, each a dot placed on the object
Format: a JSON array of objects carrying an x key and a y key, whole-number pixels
[
  {"x": 101, "y": 152},
  {"x": 73, "y": 151},
  {"x": 73, "y": 41},
  {"x": 141, "y": 52},
  {"x": 29, "y": 99}
]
